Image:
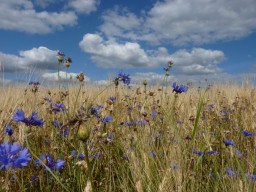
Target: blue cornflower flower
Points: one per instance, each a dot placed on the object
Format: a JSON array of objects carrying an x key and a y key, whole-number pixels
[
  {"x": 179, "y": 89},
  {"x": 113, "y": 99},
  {"x": 64, "y": 133},
  {"x": 107, "y": 119},
  {"x": 229, "y": 142},
  {"x": 34, "y": 83},
  {"x": 73, "y": 153},
  {"x": 58, "y": 107},
  {"x": 33, "y": 120},
  {"x": 57, "y": 123},
  {"x": 230, "y": 172},
  {"x": 153, "y": 113},
  {"x": 129, "y": 123},
  {"x": 199, "y": 153},
  {"x": 110, "y": 137},
  {"x": 48, "y": 100},
  {"x": 212, "y": 152},
  {"x": 95, "y": 110},
  {"x": 124, "y": 77},
  {"x": 8, "y": 130},
  {"x": 48, "y": 160},
  {"x": 141, "y": 122},
  {"x": 81, "y": 156},
  {"x": 251, "y": 177},
  {"x": 247, "y": 133},
  {"x": 96, "y": 155},
  {"x": 12, "y": 155}
]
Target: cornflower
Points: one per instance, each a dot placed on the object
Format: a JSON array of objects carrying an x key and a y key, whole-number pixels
[
  {"x": 229, "y": 142},
  {"x": 107, "y": 119},
  {"x": 12, "y": 155},
  {"x": 247, "y": 133},
  {"x": 58, "y": 107},
  {"x": 179, "y": 89},
  {"x": 124, "y": 77},
  {"x": 8, "y": 130},
  {"x": 33, "y": 120},
  {"x": 48, "y": 160}
]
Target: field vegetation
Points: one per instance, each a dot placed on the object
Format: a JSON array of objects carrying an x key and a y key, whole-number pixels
[{"x": 127, "y": 138}]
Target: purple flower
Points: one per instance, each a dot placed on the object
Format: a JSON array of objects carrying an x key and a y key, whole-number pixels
[
  {"x": 8, "y": 130},
  {"x": 64, "y": 133},
  {"x": 58, "y": 107},
  {"x": 251, "y": 177},
  {"x": 113, "y": 99},
  {"x": 124, "y": 77},
  {"x": 129, "y": 123},
  {"x": 110, "y": 137},
  {"x": 95, "y": 110},
  {"x": 212, "y": 152},
  {"x": 34, "y": 83},
  {"x": 60, "y": 53},
  {"x": 48, "y": 100},
  {"x": 179, "y": 89},
  {"x": 199, "y": 153},
  {"x": 48, "y": 160},
  {"x": 141, "y": 122},
  {"x": 153, "y": 114},
  {"x": 107, "y": 119},
  {"x": 230, "y": 172},
  {"x": 12, "y": 155},
  {"x": 57, "y": 123},
  {"x": 33, "y": 120},
  {"x": 229, "y": 142},
  {"x": 247, "y": 133},
  {"x": 96, "y": 155},
  {"x": 81, "y": 156}
]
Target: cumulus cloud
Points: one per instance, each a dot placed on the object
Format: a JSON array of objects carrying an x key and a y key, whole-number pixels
[
  {"x": 63, "y": 76},
  {"x": 198, "y": 61},
  {"x": 22, "y": 16},
  {"x": 111, "y": 54},
  {"x": 182, "y": 21},
  {"x": 36, "y": 58},
  {"x": 83, "y": 6}
]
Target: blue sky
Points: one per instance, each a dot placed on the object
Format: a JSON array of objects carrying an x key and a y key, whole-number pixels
[{"x": 213, "y": 39}]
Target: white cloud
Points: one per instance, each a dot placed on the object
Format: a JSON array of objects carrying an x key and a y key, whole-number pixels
[
  {"x": 118, "y": 21},
  {"x": 182, "y": 21},
  {"x": 151, "y": 78},
  {"x": 111, "y": 54},
  {"x": 36, "y": 58},
  {"x": 84, "y": 6},
  {"x": 63, "y": 76},
  {"x": 21, "y": 16},
  {"x": 198, "y": 61}
]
